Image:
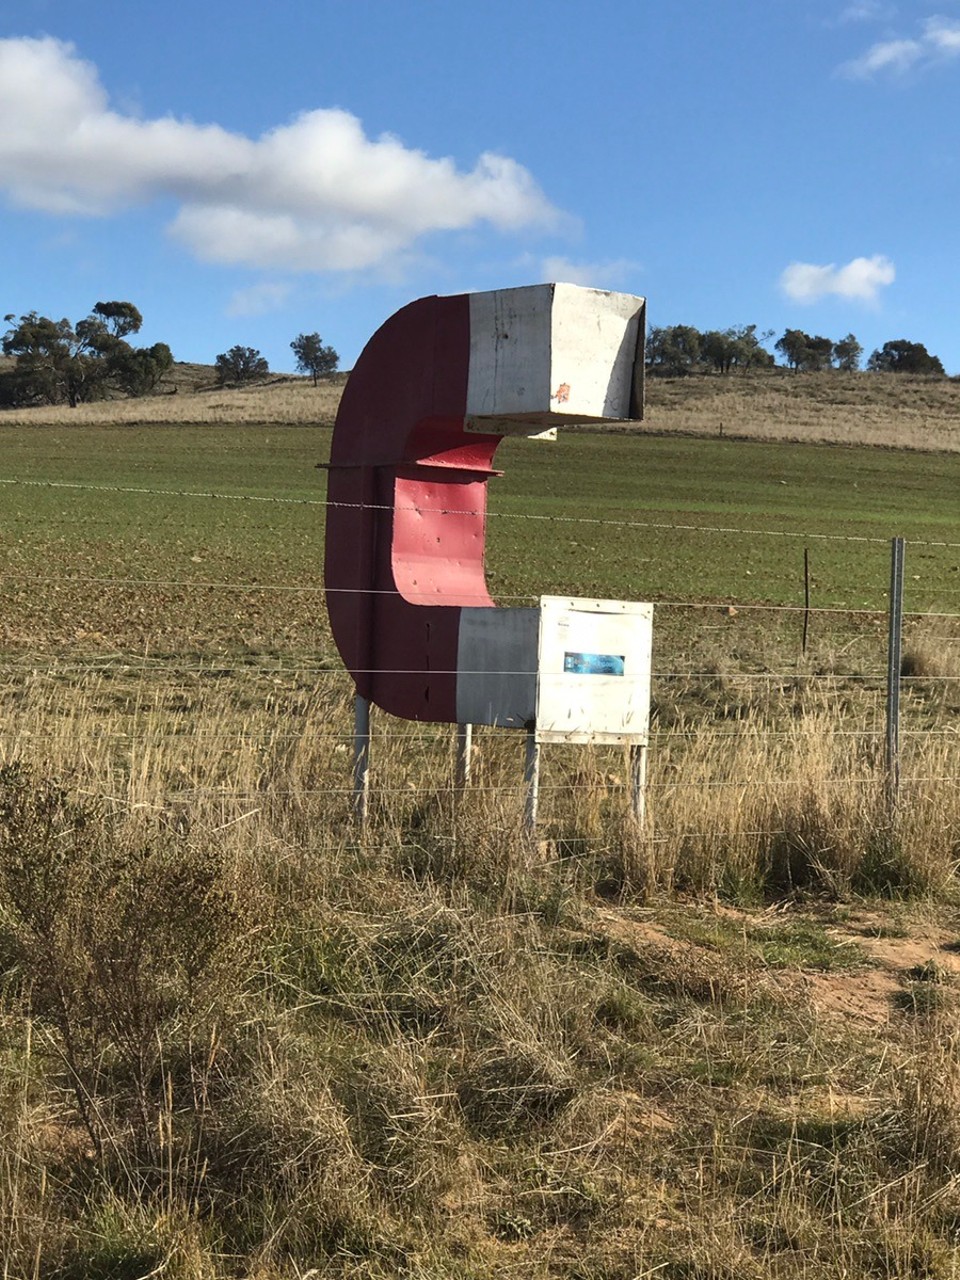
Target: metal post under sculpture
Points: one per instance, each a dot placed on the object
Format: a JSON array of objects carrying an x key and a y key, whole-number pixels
[{"x": 429, "y": 400}]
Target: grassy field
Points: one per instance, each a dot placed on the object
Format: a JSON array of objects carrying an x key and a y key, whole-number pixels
[
  {"x": 242, "y": 1037},
  {"x": 608, "y": 514}
]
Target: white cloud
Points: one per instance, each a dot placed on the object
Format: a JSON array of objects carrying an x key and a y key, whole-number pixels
[
  {"x": 599, "y": 275},
  {"x": 896, "y": 56},
  {"x": 866, "y": 11},
  {"x": 315, "y": 194},
  {"x": 943, "y": 35},
  {"x": 939, "y": 41},
  {"x": 259, "y": 299},
  {"x": 860, "y": 280}
]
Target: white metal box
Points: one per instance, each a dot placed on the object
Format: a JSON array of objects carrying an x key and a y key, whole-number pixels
[
  {"x": 550, "y": 355},
  {"x": 593, "y": 670},
  {"x": 572, "y": 670}
]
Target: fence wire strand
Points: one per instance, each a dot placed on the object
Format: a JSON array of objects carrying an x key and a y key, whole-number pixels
[
  {"x": 48, "y": 668},
  {"x": 535, "y": 517}
]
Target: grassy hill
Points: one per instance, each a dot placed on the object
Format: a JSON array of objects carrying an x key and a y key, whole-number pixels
[
  {"x": 835, "y": 408},
  {"x": 191, "y": 393},
  {"x": 893, "y": 411}
]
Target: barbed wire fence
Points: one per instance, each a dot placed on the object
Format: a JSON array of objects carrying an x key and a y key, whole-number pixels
[{"x": 131, "y": 703}]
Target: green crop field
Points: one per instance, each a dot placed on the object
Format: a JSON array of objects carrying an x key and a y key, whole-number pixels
[
  {"x": 745, "y": 488},
  {"x": 608, "y": 515}
]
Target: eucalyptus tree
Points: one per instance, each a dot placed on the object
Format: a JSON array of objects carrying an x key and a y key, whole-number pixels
[{"x": 313, "y": 357}]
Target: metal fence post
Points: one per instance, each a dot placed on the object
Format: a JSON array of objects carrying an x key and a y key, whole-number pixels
[
  {"x": 806, "y": 599},
  {"x": 894, "y": 659},
  {"x": 638, "y": 784}
]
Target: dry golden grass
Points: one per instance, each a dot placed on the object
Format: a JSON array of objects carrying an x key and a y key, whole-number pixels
[
  {"x": 193, "y": 398},
  {"x": 752, "y": 791},
  {"x": 438, "y": 1047},
  {"x": 833, "y": 408}
]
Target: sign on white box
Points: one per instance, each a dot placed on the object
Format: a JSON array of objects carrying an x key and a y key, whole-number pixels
[{"x": 594, "y": 671}]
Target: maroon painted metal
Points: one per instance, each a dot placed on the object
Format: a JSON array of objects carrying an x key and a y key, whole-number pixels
[{"x": 406, "y": 523}]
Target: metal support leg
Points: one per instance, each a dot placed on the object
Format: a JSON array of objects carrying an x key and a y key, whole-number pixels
[
  {"x": 464, "y": 756},
  {"x": 638, "y": 784},
  {"x": 361, "y": 757},
  {"x": 531, "y": 777}
]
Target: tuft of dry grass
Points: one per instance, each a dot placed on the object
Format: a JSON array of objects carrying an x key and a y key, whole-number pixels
[{"x": 435, "y": 1046}]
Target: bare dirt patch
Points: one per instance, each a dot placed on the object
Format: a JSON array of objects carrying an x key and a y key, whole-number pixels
[
  {"x": 867, "y": 994},
  {"x": 866, "y": 997},
  {"x": 930, "y": 944}
]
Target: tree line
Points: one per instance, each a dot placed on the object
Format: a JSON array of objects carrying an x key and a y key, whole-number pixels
[
  {"x": 56, "y": 362},
  {"x": 675, "y": 350}
]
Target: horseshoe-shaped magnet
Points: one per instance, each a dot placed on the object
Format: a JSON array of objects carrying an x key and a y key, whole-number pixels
[{"x": 433, "y": 393}]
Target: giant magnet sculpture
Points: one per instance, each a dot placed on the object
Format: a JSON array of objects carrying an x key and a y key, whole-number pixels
[{"x": 433, "y": 393}]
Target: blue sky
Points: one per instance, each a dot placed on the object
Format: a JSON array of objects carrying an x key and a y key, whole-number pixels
[{"x": 244, "y": 172}]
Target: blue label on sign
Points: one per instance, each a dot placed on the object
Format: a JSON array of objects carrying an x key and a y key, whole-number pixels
[{"x": 593, "y": 664}]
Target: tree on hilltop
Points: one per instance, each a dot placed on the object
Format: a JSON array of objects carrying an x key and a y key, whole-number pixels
[
  {"x": 241, "y": 364},
  {"x": 313, "y": 357},
  {"x": 740, "y": 347},
  {"x": 140, "y": 370},
  {"x": 719, "y": 349},
  {"x": 48, "y": 356},
  {"x": 901, "y": 356},
  {"x": 805, "y": 353},
  {"x": 792, "y": 345},
  {"x": 673, "y": 350},
  {"x": 123, "y": 318},
  {"x": 847, "y": 354}
]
